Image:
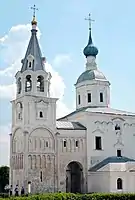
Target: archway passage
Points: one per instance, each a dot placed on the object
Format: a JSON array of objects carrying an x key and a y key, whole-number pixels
[{"x": 74, "y": 178}]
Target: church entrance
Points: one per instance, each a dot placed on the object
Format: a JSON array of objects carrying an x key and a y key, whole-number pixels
[{"x": 74, "y": 178}]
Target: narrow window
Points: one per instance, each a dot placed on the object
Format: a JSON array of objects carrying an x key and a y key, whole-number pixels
[
  {"x": 29, "y": 64},
  {"x": 98, "y": 143},
  {"x": 46, "y": 144},
  {"x": 76, "y": 143},
  {"x": 28, "y": 83},
  {"x": 89, "y": 97},
  {"x": 117, "y": 127},
  {"x": 119, "y": 184},
  {"x": 19, "y": 86},
  {"x": 79, "y": 99},
  {"x": 40, "y": 114},
  {"x": 118, "y": 153},
  {"x": 101, "y": 97},
  {"x": 40, "y": 83},
  {"x": 41, "y": 176},
  {"x": 19, "y": 115},
  {"x": 65, "y": 143}
]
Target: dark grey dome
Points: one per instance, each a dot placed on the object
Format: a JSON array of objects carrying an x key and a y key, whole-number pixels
[{"x": 91, "y": 75}]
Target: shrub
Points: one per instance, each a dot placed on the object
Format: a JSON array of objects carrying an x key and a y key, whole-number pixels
[{"x": 69, "y": 196}]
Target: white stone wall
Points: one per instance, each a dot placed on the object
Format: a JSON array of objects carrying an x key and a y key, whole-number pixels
[
  {"x": 71, "y": 153},
  {"x": 37, "y": 146},
  {"x": 94, "y": 87},
  {"x": 34, "y": 76},
  {"x": 99, "y": 182},
  {"x": 104, "y": 125},
  {"x": 106, "y": 181},
  {"x": 32, "y": 145},
  {"x": 128, "y": 180}
]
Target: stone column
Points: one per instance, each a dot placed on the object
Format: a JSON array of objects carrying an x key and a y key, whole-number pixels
[
  {"x": 25, "y": 160},
  {"x": 11, "y": 162},
  {"x": 57, "y": 161}
]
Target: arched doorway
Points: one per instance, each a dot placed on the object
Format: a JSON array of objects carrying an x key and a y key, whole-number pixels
[{"x": 74, "y": 178}]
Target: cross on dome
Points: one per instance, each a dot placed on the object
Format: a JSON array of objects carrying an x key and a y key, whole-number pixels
[
  {"x": 34, "y": 10},
  {"x": 34, "y": 22},
  {"x": 90, "y": 20},
  {"x": 90, "y": 49}
]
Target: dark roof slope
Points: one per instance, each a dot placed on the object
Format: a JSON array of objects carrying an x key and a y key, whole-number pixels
[{"x": 112, "y": 159}]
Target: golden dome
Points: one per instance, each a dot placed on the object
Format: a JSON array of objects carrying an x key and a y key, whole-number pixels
[{"x": 34, "y": 22}]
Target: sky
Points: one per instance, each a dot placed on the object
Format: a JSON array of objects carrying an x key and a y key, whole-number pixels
[{"x": 63, "y": 33}]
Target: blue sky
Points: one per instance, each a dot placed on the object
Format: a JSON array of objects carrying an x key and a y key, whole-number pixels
[{"x": 65, "y": 32}]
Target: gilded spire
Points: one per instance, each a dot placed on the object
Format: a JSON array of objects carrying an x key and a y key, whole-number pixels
[
  {"x": 33, "y": 54},
  {"x": 34, "y": 22}
]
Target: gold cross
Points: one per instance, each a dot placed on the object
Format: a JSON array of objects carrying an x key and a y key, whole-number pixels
[{"x": 34, "y": 10}]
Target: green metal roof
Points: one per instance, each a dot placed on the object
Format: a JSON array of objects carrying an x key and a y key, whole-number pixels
[
  {"x": 112, "y": 159},
  {"x": 91, "y": 75},
  {"x": 90, "y": 49}
]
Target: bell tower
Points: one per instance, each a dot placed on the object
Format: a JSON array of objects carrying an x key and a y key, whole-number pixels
[
  {"x": 92, "y": 87},
  {"x": 33, "y": 112},
  {"x": 33, "y": 85}
]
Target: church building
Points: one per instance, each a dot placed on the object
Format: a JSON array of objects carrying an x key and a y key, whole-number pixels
[{"x": 91, "y": 149}]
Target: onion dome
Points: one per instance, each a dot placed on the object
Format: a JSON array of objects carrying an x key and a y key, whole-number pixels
[{"x": 90, "y": 49}]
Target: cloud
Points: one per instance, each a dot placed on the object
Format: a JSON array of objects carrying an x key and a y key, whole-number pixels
[
  {"x": 7, "y": 91},
  {"x": 12, "y": 49},
  {"x": 62, "y": 60}
]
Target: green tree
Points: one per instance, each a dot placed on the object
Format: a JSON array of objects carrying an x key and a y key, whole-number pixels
[{"x": 4, "y": 177}]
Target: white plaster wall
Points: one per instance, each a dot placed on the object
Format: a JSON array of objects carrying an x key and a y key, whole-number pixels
[
  {"x": 104, "y": 125},
  {"x": 94, "y": 87},
  {"x": 39, "y": 130},
  {"x": 31, "y": 107},
  {"x": 71, "y": 153},
  {"x": 128, "y": 181},
  {"x": 34, "y": 76},
  {"x": 99, "y": 182},
  {"x": 105, "y": 181},
  {"x": 105, "y": 129}
]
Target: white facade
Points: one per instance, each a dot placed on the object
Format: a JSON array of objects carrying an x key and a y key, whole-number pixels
[{"x": 85, "y": 151}]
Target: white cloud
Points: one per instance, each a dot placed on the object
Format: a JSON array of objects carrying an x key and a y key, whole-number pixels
[
  {"x": 61, "y": 60},
  {"x": 7, "y": 91},
  {"x": 15, "y": 43},
  {"x": 13, "y": 47}
]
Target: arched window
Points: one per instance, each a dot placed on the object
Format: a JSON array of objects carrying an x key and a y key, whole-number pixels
[
  {"x": 119, "y": 184},
  {"x": 28, "y": 83},
  {"x": 40, "y": 83},
  {"x": 41, "y": 114},
  {"x": 19, "y": 86},
  {"x": 29, "y": 64},
  {"x": 30, "y": 61},
  {"x": 77, "y": 143},
  {"x": 19, "y": 110},
  {"x": 65, "y": 143},
  {"x": 41, "y": 176},
  {"x": 117, "y": 127}
]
